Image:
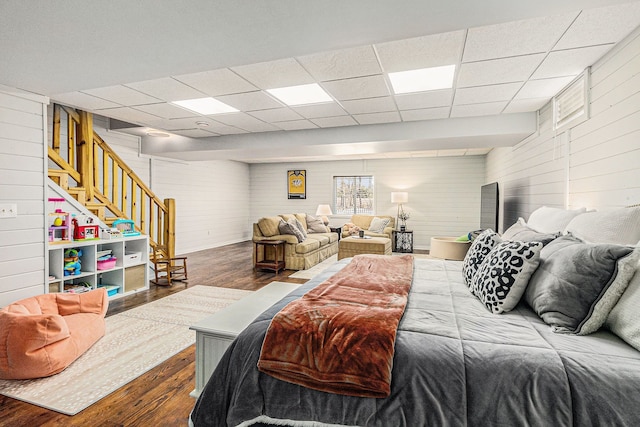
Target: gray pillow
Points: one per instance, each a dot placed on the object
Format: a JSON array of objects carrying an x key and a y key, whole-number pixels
[
  {"x": 315, "y": 225},
  {"x": 479, "y": 249},
  {"x": 523, "y": 233},
  {"x": 378, "y": 224},
  {"x": 300, "y": 227},
  {"x": 290, "y": 227},
  {"x": 504, "y": 274},
  {"x": 577, "y": 284}
]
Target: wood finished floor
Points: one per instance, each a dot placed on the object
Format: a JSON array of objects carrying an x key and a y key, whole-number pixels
[{"x": 159, "y": 397}]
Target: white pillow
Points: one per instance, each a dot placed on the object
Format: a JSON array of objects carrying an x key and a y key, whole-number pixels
[
  {"x": 378, "y": 224},
  {"x": 624, "y": 318},
  {"x": 618, "y": 226},
  {"x": 552, "y": 220}
]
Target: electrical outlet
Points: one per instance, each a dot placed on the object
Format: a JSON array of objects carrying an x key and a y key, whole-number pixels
[{"x": 8, "y": 210}]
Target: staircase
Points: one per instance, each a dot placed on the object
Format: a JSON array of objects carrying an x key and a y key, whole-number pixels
[{"x": 88, "y": 169}]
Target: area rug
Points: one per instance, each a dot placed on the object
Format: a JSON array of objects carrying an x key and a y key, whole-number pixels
[
  {"x": 136, "y": 341},
  {"x": 319, "y": 268}
]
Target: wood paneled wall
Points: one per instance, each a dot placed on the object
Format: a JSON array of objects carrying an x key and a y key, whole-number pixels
[
  {"x": 22, "y": 182},
  {"x": 444, "y": 192},
  {"x": 595, "y": 163}
]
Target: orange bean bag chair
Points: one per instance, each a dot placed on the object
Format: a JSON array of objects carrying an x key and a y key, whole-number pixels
[{"x": 40, "y": 336}]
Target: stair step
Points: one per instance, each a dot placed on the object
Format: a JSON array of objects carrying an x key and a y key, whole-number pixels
[
  {"x": 60, "y": 177},
  {"x": 79, "y": 193},
  {"x": 98, "y": 209}
]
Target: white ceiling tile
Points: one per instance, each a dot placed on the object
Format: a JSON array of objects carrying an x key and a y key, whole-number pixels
[
  {"x": 436, "y": 98},
  {"x": 505, "y": 70},
  {"x": 569, "y": 62},
  {"x": 275, "y": 74},
  {"x": 222, "y": 129},
  {"x": 371, "y": 118},
  {"x": 183, "y": 123},
  {"x": 369, "y": 105},
  {"x": 342, "y": 64},
  {"x": 526, "y": 105},
  {"x": 84, "y": 101},
  {"x": 425, "y": 114},
  {"x": 241, "y": 120},
  {"x": 515, "y": 38},
  {"x": 487, "y": 109},
  {"x": 122, "y": 95},
  {"x": 259, "y": 126},
  {"x": 544, "y": 88},
  {"x": 166, "y": 111},
  {"x": 329, "y": 122},
  {"x": 474, "y": 95},
  {"x": 421, "y": 52},
  {"x": 217, "y": 82},
  {"x": 329, "y": 109},
  {"x": 357, "y": 88},
  {"x": 250, "y": 101},
  {"x": 296, "y": 125},
  {"x": 129, "y": 115},
  {"x": 196, "y": 133},
  {"x": 276, "y": 115},
  {"x": 167, "y": 89},
  {"x": 601, "y": 26}
]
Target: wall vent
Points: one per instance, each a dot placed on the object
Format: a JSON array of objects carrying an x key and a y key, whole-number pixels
[{"x": 571, "y": 105}]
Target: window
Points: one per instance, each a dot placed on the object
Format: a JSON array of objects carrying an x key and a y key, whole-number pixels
[
  {"x": 571, "y": 103},
  {"x": 353, "y": 195}
]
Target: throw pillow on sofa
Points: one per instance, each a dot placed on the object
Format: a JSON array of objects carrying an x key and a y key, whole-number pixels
[
  {"x": 290, "y": 227},
  {"x": 269, "y": 225},
  {"x": 315, "y": 225},
  {"x": 378, "y": 224}
]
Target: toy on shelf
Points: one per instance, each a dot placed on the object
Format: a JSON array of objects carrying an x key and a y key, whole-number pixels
[
  {"x": 59, "y": 223},
  {"x": 72, "y": 262},
  {"x": 84, "y": 228},
  {"x": 126, "y": 227},
  {"x": 110, "y": 233}
]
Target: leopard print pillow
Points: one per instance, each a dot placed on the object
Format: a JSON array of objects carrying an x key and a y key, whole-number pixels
[
  {"x": 504, "y": 274},
  {"x": 478, "y": 250}
]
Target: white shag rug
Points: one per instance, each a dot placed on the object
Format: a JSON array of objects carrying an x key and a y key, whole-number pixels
[{"x": 136, "y": 341}]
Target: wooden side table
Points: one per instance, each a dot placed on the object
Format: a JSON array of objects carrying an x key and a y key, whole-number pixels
[
  {"x": 402, "y": 241},
  {"x": 277, "y": 247},
  {"x": 337, "y": 230}
]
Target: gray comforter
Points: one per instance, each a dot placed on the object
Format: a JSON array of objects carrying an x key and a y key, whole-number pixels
[{"x": 455, "y": 364}]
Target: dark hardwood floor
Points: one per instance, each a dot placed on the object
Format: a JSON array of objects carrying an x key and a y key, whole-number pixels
[{"x": 159, "y": 397}]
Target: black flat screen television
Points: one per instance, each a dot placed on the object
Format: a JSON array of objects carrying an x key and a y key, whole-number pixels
[{"x": 489, "y": 206}]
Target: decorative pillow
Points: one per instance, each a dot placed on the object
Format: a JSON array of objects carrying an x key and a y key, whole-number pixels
[
  {"x": 523, "y": 233},
  {"x": 269, "y": 225},
  {"x": 479, "y": 249},
  {"x": 378, "y": 224},
  {"x": 290, "y": 227},
  {"x": 315, "y": 225},
  {"x": 618, "y": 226},
  {"x": 552, "y": 220},
  {"x": 624, "y": 319},
  {"x": 351, "y": 229},
  {"x": 504, "y": 274},
  {"x": 577, "y": 284},
  {"x": 300, "y": 227}
]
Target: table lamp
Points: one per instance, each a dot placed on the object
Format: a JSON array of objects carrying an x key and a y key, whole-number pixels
[{"x": 323, "y": 211}]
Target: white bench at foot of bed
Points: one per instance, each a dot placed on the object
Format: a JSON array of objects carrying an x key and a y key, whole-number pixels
[{"x": 216, "y": 333}]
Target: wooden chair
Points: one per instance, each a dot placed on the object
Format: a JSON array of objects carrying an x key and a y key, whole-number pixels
[{"x": 168, "y": 269}]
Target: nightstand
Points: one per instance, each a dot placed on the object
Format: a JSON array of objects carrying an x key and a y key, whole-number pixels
[
  {"x": 336, "y": 230},
  {"x": 276, "y": 263},
  {"x": 402, "y": 241}
]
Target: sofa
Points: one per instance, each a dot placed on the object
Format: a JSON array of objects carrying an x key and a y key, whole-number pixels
[
  {"x": 363, "y": 222},
  {"x": 40, "y": 336},
  {"x": 301, "y": 251}
]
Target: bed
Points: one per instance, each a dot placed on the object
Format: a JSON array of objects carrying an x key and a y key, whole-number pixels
[{"x": 456, "y": 363}]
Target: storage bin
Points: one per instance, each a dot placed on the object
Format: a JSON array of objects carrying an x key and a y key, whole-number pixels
[
  {"x": 132, "y": 258},
  {"x": 107, "y": 264},
  {"x": 111, "y": 289}
]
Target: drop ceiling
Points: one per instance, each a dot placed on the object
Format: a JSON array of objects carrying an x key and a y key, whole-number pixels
[{"x": 128, "y": 63}]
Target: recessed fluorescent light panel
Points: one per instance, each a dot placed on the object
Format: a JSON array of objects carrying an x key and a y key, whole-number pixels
[
  {"x": 423, "y": 79},
  {"x": 206, "y": 106},
  {"x": 300, "y": 95}
]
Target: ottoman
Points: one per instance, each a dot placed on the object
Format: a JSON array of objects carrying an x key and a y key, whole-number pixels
[
  {"x": 448, "y": 248},
  {"x": 351, "y": 246}
]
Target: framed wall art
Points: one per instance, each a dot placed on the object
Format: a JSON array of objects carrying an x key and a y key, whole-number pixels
[{"x": 297, "y": 184}]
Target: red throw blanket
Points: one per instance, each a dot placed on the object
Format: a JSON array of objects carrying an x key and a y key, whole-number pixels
[{"x": 340, "y": 336}]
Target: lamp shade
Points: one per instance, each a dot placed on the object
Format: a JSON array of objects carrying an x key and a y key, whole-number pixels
[
  {"x": 399, "y": 197},
  {"x": 324, "y": 210}
]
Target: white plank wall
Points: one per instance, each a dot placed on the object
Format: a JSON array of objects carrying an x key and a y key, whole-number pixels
[
  {"x": 444, "y": 192},
  {"x": 22, "y": 182},
  {"x": 595, "y": 163}
]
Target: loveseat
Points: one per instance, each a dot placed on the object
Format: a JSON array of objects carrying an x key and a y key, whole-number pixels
[
  {"x": 40, "y": 336},
  {"x": 316, "y": 244},
  {"x": 363, "y": 222}
]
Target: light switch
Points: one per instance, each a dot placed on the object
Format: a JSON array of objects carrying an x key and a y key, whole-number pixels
[{"x": 8, "y": 210}]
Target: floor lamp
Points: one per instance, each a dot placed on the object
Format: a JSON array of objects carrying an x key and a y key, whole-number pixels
[{"x": 399, "y": 197}]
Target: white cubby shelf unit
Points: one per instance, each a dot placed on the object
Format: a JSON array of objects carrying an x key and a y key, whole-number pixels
[{"x": 129, "y": 274}]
